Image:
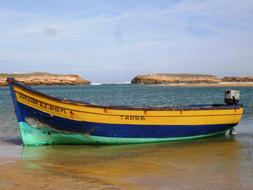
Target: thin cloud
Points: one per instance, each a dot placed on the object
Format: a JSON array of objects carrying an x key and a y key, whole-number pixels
[
  {"x": 50, "y": 31},
  {"x": 158, "y": 36}
]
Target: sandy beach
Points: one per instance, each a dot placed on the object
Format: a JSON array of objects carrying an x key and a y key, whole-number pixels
[{"x": 203, "y": 164}]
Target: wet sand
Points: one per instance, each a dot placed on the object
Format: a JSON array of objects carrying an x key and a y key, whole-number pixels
[{"x": 215, "y": 163}]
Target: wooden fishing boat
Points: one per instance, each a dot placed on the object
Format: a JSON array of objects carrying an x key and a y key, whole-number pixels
[{"x": 45, "y": 120}]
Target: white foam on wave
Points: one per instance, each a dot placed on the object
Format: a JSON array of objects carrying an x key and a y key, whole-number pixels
[{"x": 96, "y": 83}]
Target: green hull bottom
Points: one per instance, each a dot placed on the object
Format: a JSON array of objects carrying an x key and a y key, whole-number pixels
[{"x": 33, "y": 136}]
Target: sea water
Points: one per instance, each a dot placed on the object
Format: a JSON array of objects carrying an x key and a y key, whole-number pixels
[{"x": 213, "y": 163}]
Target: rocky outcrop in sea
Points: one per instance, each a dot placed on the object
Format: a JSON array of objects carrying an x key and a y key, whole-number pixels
[
  {"x": 175, "y": 78},
  {"x": 45, "y": 79}
]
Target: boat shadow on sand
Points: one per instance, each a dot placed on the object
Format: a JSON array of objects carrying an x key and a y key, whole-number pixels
[{"x": 16, "y": 140}]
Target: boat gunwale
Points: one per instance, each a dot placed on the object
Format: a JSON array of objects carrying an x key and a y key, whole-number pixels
[{"x": 147, "y": 108}]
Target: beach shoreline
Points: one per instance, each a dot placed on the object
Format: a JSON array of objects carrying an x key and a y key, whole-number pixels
[
  {"x": 221, "y": 84},
  {"x": 107, "y": 167}
]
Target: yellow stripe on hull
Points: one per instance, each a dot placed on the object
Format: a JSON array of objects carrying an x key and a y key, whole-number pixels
[{"x": 80, "y": 112}]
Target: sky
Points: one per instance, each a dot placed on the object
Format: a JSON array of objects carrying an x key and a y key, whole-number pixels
[{"x": 113, "y": 40}]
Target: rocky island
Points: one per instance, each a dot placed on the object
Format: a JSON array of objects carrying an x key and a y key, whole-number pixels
[
  {"x": 45, "y": 79},
  {"x": 191, "y": 80},
  {"x": 174, "y": 78},
  {"x": 237, "y": 79}
]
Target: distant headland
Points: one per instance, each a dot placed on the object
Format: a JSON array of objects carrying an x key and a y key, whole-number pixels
[
  {"x": 191, "y": 80},
  {"x": 41, "y": 78}
]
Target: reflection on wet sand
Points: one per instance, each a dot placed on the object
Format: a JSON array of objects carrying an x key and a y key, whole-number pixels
[{"x": 213, "y": 163}]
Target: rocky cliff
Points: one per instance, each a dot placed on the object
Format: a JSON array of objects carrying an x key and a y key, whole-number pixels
[
  {"x": 175, "y": 79},
  {"x": 237, "y": 79},
  {"x": 44, "y": 79}
]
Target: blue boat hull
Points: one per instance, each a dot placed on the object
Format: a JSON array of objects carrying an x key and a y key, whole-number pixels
[
  {"x": 48, "y": 120},
  {"x": 121, "y": 130}
]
